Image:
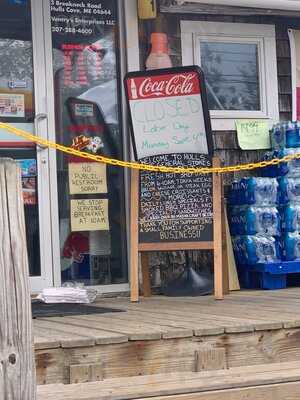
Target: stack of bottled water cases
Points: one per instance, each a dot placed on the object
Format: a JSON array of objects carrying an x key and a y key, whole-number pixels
[
  {"x": 285, "y": 140},
  {"x": 264, "y": 212},
  {"x": 255, "y": 220}
]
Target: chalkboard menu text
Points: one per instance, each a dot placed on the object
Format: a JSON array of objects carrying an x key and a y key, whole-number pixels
[{"x": 176, "y": 207}]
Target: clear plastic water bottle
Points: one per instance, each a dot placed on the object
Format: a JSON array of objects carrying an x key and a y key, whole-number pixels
[
  {"x": 292, "y": 135},
  {"x": 290, "y": 168},
  {"x": 261, "y": 191},
  {"x": 234, "y": 217},
  {"x": 289, "y": 190},
  {"x": 252, "y": 220},
  {"x": 231, "y": 198},
  {"x": 261, "y": 249},
  {"x": 239, "y": 250},
  {"x": 262, "y": 220},
  {"x": 291, "y": 246},
  {"x": 298, "y": 131},
  {"x": 285, "y": 134},
  {"x": 274, "y": 171},
  {"x": 236, "y": 194},
  {"x": 278, "y": 138},
  {"x": 254, "y": 191},
  {"x": 294, "y": 165},
  {"x": 291, "y": 218}
]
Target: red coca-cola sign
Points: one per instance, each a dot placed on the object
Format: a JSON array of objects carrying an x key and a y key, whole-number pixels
[
  {"x": 169, "y": 85},
  {"x": 168, "y": 111}
]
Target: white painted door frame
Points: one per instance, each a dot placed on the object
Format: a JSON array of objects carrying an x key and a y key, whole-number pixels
[{"x": 41, "y": 129}]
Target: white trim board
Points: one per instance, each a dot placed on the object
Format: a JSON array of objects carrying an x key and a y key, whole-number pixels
[
  {"x": 291, "y": 5},
  {"x": 132, "y": 35},
  {"x": 294, "y": 71},
  {"x": 226, "y": 28}
]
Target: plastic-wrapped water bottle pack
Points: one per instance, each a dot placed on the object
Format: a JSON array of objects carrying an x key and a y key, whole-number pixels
[
  {"x": 264, "y": 215},
  {"x": 291, "y": 246},
  {"x": 290, "y": 169},
  {"x": 285, "y": 135},
  {"x": 264, "y": 212},
  {"x": 290, "y": 218},
  {"x": 254, "y": 191},
  {"x": 289, "y": 190},
  {"x": 253, "y": 220},
  {"x": 251, "y": 250}
]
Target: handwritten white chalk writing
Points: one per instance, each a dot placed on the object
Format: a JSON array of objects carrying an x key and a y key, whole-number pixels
[{"x": 176, "y": 207}]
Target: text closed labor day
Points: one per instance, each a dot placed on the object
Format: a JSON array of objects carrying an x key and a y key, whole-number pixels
[{"x": 167, "y": 114}]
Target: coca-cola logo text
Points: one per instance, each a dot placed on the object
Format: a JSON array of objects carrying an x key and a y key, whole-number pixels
[{"x": 177, "y": 85}]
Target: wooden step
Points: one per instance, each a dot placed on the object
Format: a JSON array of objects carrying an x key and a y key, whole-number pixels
[{"x": 260, "y": 382}]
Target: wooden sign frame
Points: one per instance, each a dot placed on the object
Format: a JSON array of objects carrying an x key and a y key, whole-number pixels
[
  {"x": 165, "y": 73},
  {"x": 218, "y": 245}
]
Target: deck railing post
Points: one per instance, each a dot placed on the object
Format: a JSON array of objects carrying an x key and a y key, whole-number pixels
[{"x": 17, "y": 369}]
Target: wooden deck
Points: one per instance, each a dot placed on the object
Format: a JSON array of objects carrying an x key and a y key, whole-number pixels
[
  {"x": 162, "y": 335},
  {"x": 170, "y": 318}
]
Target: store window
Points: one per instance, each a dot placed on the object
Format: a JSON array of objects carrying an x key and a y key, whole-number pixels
[
  {"x": 232, "y": 75},
  {"x": 88, "y": 118},
  {"x": 240, "y": 67},
  {"x": 17, "y": 108}
]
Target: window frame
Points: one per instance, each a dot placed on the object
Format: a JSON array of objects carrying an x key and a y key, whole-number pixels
[{"x": 193, "y": 32}]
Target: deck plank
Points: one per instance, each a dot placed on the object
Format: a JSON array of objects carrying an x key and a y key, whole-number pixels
[
  {"x": 100, "y": 335},
  {"x": 63, "y": 334},
  {"x": 198, "y": 320},
  {"x": 176, "y": 384},
  {"x": 168, "y": 330},
  {"x": 138, "y": 329},
  {"x": 229, "y": 322},
  {"x": 268, "y": 313}
]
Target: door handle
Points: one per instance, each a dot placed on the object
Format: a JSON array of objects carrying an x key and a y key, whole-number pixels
[{"x": 39, "y": 117}]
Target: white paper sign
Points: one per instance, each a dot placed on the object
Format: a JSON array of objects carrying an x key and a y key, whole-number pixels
[
  {"x": 87, "y": 178},
  {"x": 89, "y": 215},
  {"x": 167, "y": 114}
]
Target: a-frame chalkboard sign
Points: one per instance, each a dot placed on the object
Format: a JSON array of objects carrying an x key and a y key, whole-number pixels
[{"x": 170, "y": 126}]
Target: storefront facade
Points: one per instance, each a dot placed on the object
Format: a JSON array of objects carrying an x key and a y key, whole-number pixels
[{"x": 61, "y": 68}]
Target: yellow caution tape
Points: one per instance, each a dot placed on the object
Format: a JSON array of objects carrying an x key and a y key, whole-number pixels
[{"x": 145, "y": 167}]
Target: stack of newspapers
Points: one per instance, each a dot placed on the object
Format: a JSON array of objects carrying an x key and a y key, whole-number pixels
[{"x": 77, "y": 295}]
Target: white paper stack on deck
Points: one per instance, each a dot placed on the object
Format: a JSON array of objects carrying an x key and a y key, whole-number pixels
[{"x": 68, "y": 295}]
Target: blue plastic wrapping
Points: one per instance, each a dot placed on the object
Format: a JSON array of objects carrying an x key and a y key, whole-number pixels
[
  {"x": 252, "y": 220},
  {"x": 254, "y": 191},
  {"x": 250, "y": 250}
]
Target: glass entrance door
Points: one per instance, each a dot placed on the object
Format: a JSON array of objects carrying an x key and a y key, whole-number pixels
[
  {"x": 87, "y": 91},
  {"x": 22, "y": 104},
  {"x": 60, "y": 78}
]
